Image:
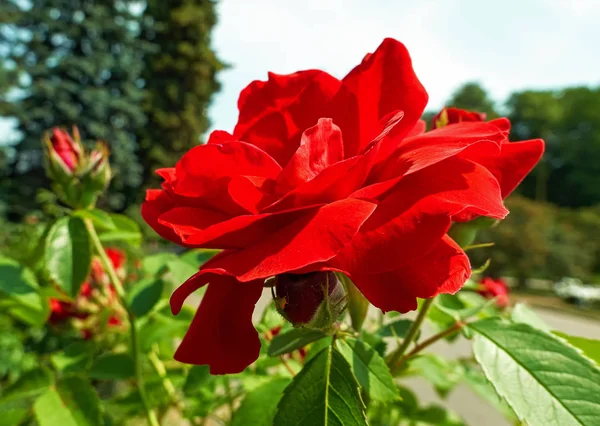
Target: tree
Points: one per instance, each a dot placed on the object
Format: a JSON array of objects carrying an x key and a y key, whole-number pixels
[
  {"x": 471, "y": 96},
  {"x": 80, "y": 62},
  {"x": 180, "y": 76},
  {"x": 569, "y": 121}
]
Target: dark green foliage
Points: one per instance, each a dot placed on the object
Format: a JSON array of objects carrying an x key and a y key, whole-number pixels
[
  {"x": 80, "y": 62},
  {"x": 569, "y": 121},
  {"x": 472, "y": 96},
  {"x": 539, "y": 240},
  {"x": 180, "y": 75}
]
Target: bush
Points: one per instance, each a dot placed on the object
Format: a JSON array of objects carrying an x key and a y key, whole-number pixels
[{"x": 539, "y": 240}]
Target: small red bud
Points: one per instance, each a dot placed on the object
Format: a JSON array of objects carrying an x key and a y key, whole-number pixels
[{"x": 315, "y": 299}]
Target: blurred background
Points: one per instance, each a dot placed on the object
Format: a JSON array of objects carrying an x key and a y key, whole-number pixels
[{"x": 153, "y": 77}]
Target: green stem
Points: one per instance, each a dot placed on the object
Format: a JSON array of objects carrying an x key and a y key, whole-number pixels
[
  {"x": 116, "y": 282},
  {"x": 393, "y": 358},
  {"x": 424, "y": 344},
  {"x": 230, "y": 398}
]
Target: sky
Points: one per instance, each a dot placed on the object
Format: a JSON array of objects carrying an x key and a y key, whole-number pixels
[{"x": 504, "y": 45}]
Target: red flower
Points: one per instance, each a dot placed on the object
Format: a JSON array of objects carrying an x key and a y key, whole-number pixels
[
  {"x": 68, "y": 150},
  {"x": 59, "y": 310},
  {"x": 495, "y": 288},
  {"x": 455, "y": 115},
  {"x": 114, "y": 321},
  {"x": 363, "y": 191}
]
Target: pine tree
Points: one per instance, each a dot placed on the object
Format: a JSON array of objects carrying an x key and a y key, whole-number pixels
[
  {"x": 80, "y": 62},
  {"x": 180, "y": 77}
]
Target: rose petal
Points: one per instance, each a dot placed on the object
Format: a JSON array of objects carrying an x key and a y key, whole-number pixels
[
  {"x": 237, "y": 232},
  {"x": 384, "y": 82},
  {"x": 158, "y": 202},
  {"x": 444, "y": 269},
  {"x": 418, "y": 152},
  {"x": 274, "y": 113},
  {"x": 314, "y": 238},
  {"x": 515, "y": 161},
  {"x": 221, "y": 334},
  {"x": 321, "y": 146}
]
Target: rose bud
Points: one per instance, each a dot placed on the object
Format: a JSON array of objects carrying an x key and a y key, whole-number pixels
[
  {"x": 455, "y": 115},
  {"x": 98, "y": 169},
  {"x": 63, "y": 154},
  {"x": 494, "y": 288},
  {"x": 315, "y": 300}
]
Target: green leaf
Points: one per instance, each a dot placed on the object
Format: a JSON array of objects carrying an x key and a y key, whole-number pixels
[
  {"x": 198, "y": 377},
  {"x": 590, "y": 348},
  {"x": 523, "y": 314},
  {"x": 198, "y": 257},
  {"x": 14, "y": 413},
  {"x": 397, "y": 328},
  {"x": 443, "y": 374},
  {"x": 102, "y": 220},
  {"x": 113, "y": 367},
  {"x": 160, "y": 327},
  {"x": 157, "y": 263},
  {"x": 369, "y": 368},
  {"x": 357, "y": 304},
  {"x": 294, "y": 339},
  {"x": 126, "y": 230},
  {"x": 30, "y": 384},
  {"x": 17, "y": 400},
  {"x": 316, "y": 348},
  {"x": 20, "y": 294},
  {"x": 324, "y": 393},
  {"x": 179, "y": 271},
  {"x": 476, "y": 380},
  {"x": 68, "y": 254},
  {"x": 546, "y": 382},
  {"x": 73, "y": 403},
  {"x": 259, "y": 406},
  {"x": 144, "y": 295},
  {"x": 76, "y": 358}
]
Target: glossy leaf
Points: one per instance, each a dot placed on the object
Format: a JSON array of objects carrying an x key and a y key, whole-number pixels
[
  {"x": 144, "y": 295},
  {"x": 369, "y": 368},
  {"x": 398, "y": 328},
  {"x": 442, "y": 373},
  {"x": 292, "y": 340},
  {"x": 478, "y": 383},
  {"x": 259, "y": 406},
  {"x": 72, "y": 403},
  {"x": 113, "y": 367},
  {"x": 101, "y": 219},
  {"x": 68, "y": 254},
  {"x": 324, "y": 393},
  {"x": 20, "y": 294},
  {"x": 524, "y": 314},
  {"x": 126, "y": 230},
  {"x": 76, "y": 357},
  {"x": 588, "y": 347},
  {"x": 546, "y": 382}
]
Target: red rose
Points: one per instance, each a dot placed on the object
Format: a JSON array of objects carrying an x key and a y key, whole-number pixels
[
  {"x": 494, "y": 288},
  {"x": 455, "y": 115},
  {"x": 66, "y": 149},
  {"x": 324, "y": 174}
]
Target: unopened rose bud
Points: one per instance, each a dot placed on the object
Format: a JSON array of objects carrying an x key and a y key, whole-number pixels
[
  {"x": 98, "y": 173},
  {"x": 315, "y": 300},
  {"x": 63, "y": 154}
]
